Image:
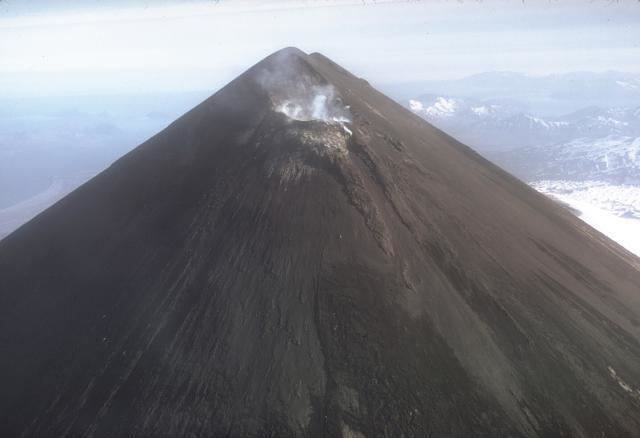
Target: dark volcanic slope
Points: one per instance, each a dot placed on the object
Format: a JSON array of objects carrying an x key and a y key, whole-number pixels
[{"x": 243, "y": 273}]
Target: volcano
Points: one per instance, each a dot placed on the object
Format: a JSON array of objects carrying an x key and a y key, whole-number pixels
[{"x": 301, "y": 256}]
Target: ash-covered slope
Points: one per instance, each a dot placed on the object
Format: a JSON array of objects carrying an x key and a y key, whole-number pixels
[{"x": 299, "y": 255}]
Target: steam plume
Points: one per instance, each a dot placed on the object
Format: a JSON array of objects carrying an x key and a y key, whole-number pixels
[{"x": 319, "y": 103}]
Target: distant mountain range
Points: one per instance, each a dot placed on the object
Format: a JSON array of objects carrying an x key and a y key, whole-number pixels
[
  {"x": 547, "y": 95},
  {"x": 587, "y": 143},
  {"x": 491, "y": 126},
  {"x": 613, "y": 158}
]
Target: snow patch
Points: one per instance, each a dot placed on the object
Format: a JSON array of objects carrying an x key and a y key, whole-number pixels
[
  {"x": 624, "y": 385},
  {"x": 614, "y": 210},
  {"x": 627, "y": 85},
  {"x": 416, "y": 105},
  {"x": 480, "y": 110},
  {"x": 609, "y": 121},
  {"x": 546, "y": 123},
  {"x": 442, "y": 107}
]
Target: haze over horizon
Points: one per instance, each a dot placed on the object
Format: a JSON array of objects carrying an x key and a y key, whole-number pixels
[{"x": 71, "y": 47}]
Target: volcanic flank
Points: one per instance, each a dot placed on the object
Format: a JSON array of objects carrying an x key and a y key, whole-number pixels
[{"x": 301, "y": 256}]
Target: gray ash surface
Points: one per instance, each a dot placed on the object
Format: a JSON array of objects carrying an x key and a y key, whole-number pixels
[{"x": 352, "y": 272}]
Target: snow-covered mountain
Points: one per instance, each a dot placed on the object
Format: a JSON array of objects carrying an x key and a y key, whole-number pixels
[
  {"x": 614, "y": 159},
  {"x": 440, "y": 108},
  {"x": 494, "y": 125},
  {"x": 592, "y": 144}
]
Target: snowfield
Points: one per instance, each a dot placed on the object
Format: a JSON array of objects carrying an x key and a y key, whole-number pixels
[{"x": 614, "y": 210}]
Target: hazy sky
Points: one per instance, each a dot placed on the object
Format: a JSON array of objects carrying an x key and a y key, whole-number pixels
[{"x": 49, "y": 46}]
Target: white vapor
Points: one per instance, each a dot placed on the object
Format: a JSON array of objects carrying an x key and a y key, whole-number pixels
[{"x": 320, "y": 104}]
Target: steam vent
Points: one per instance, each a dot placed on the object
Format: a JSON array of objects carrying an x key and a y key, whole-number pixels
[{"x": 301, "y": 256}]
